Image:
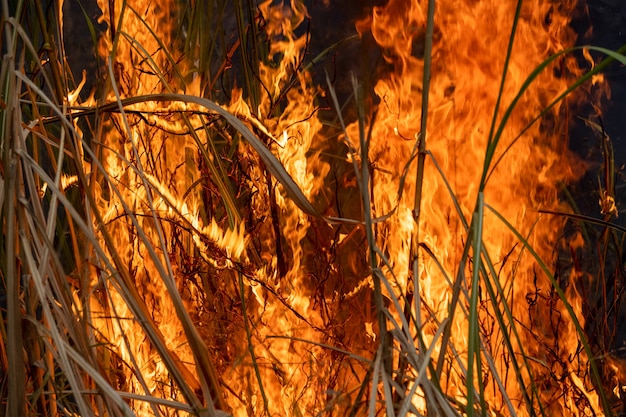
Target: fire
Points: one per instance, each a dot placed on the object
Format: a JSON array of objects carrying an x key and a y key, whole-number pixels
[
  {"x": 286, "y": 338},
  {"x": 468, "y": 61},
  {"x": 151, "y": 167}
]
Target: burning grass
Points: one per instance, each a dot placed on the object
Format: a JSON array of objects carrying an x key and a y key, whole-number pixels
[{"x": 198, "y": 240}]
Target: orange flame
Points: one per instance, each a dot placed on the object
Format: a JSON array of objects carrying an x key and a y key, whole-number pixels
[
  {"x": 471, "y": 40},
  {"x": 291, "y": 319}
]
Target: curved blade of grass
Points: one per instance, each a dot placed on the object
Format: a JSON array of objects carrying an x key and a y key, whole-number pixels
[
  {"x": 598, "y": 68},
  {"x": 586, "y": 219},
  {"x": 505, "y": 72},
  {"x": 493, "y": 143},
  {"x": 272, "y": 163},
  {"x": 90, "y": 26},
  {"x": 328, "y": 50}
]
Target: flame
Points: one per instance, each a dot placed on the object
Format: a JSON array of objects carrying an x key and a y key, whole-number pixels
[
  {"x": 280, "y": 333},
  {"x": 152, "y": 165},
  {"x": 468, "y": 62},
  {"x": 152, "y": 168},
  {"x": 289, "y": 368}
]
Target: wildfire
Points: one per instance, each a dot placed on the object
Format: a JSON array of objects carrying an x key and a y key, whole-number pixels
[
  {"x": 283, "y": 300},
  {"x": 467, "y": 66}
]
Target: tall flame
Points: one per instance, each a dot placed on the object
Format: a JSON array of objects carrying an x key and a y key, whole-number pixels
[
  {"x": 290, "y": 326},
  {"x": 151, "y": 165},
  {"x": 471, "y": 40}
]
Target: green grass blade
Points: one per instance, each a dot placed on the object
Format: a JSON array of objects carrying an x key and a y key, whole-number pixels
[
  {"x": 473, "y": 355},
  {"x": 612, "y": 56}
]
